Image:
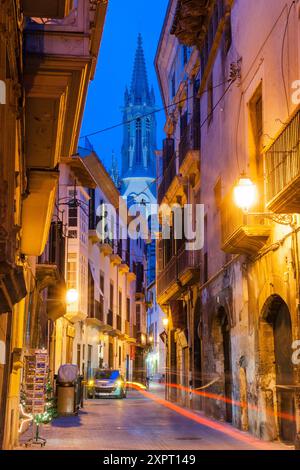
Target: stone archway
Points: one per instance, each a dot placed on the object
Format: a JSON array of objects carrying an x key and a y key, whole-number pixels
[
  {"x": 276, "y": 369},
  {"x": 222, "y": 354}
]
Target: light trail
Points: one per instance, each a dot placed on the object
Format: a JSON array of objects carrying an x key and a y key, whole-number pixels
[
  {"x": 219, "y": 427},
  {"x": 239, "y": 404}
]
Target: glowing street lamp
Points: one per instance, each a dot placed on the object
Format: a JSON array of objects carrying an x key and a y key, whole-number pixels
[
  {"x": 72, "y": 296},
  {"x": 245, "y": 197},
  {"x": 165, "y": 322},
  {"x": 245, "y": 194}
]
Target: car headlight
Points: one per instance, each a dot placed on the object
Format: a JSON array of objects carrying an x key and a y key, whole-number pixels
[
  {"x": 119, "y": 383},
  {"x": 91, "y": 383}
]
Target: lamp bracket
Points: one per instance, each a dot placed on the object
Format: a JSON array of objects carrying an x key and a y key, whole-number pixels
[{"x": 281, "y": 219}]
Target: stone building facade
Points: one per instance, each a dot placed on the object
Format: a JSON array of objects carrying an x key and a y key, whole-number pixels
[
  {"x": 246, "y": 322},
  {"x": 45, "y": 70}
]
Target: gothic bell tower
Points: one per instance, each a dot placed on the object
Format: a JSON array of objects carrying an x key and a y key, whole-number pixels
[{"x": 139, "y": 134}]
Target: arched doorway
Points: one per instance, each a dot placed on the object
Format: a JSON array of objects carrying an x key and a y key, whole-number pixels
[
  {"x": 276, "y": 333},
  {"x": 222, "y": 346}
]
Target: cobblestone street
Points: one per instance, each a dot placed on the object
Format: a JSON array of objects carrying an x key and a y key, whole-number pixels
[{"x": 140, "y": 423}]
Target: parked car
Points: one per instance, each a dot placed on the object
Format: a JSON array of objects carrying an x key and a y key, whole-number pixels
[{"x": 105, "y": 384}]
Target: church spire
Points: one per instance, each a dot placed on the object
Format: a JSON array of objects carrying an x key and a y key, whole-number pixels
[
  {"x": 139, "y": 90},
  {"x": 114, "y": 171}
]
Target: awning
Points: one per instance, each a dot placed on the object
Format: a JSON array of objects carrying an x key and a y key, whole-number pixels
[{"x": 37, "y": 211}]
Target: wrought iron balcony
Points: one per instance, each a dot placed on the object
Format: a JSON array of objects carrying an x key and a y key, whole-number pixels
[
  {"x": 188, "y": 265},
  {"x": 283, "y": 170},
  {"x": 189, "y": 145},
  {"x": 99, "y": 310},
  {"x": 119, "y": 323},
  {"x": 182, "y": 270},
  {"x": 110, "y": 318},
  {"x": 242, "y": 234},
  {"x": 168, "y": 177}
]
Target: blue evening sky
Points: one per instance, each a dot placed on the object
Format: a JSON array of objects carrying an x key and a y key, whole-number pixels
[{"x": 125, "y": 19}]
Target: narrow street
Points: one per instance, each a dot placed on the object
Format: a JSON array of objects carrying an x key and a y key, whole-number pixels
[{"x": 139, "y": 423}]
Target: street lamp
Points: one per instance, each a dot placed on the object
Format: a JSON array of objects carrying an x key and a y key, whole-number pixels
[
  {"x": 72, "y": 296},
  {"x": 165, "y": 322},
  {"x": 246, "y": 195}
]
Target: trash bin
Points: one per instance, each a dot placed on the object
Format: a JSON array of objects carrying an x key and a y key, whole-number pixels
[{"x": 68, "y": 390}]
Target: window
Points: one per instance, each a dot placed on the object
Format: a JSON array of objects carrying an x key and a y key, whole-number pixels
[
  {"x": 138, "y": 317},
  {"x": 72, "y": 271},
  {"x": 111, "y": 297},
  {"x": 120, "y": 303},
  {"x": 256, "y": 117},
  {"x": 138, "y": 141},
  {"x": 128, "y": 309},
  {"x": 102, "y": 283},
  {"x": 73, "y": 217},
  {"x": 173, "y": 85}
]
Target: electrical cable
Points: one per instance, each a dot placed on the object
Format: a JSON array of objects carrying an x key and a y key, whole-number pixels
[
  {"x": 202, "y": 123},
  {"x": 164, "y": 108}
]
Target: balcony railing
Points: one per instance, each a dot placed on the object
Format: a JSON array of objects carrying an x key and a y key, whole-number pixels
[
  {"x": 283, "y": 170},
  {"x": 189, "y": 141},
  {"x": 182, "y": 269},
  {"x": 110, "y": 318},
  {"x": 99, "y": 310},
  {"x": 169, "y": 175},
  {"x": 241, "y": 234},
  {"x": 119, "y": 323},
  {"x": 133, "y": 331},
  {"x": 186, "y": 260}
]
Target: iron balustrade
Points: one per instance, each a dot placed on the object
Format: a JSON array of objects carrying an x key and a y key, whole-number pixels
[
  {"x": 183, "y": 261},
  {"x": 98, "y": 310},
  {"x": 283, "y": 159},
  {"x": 190, "y": 140},
  {"x": 186, "y": 260},
  {"x": 168, "y": 176},
  {"x": 110, "y": 318}
]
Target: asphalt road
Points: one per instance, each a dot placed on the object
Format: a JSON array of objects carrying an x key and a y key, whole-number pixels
[{"x": 143, "y": 422}]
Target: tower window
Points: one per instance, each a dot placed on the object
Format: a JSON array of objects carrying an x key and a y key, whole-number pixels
[{"x": 138, "y": 143}]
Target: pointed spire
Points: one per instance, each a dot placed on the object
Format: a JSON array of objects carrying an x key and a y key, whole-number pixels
[
  {"x": 139, "y": 85},
  {"x": 114, "y": 171}
]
